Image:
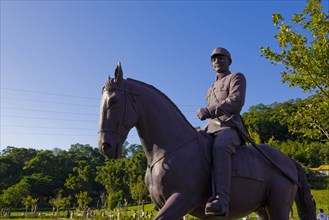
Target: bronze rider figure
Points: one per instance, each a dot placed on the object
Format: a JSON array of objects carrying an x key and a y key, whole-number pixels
[{"x": 227, "y": 94}]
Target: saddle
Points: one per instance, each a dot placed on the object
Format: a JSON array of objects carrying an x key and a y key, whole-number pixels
[{"x": 248, "y": 163}]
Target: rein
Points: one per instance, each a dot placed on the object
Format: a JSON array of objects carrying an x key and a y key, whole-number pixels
[
  {"x": 150, "y": 166},
  {"x": 111, "y": 131}
]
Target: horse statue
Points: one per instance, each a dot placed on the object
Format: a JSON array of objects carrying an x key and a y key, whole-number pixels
[{"x": 178, "y": 174}]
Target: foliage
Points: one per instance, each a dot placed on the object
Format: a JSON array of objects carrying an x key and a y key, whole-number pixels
[
  {"x": 139, "y": 190},
  {"x": 29, "y": 201},
  {"x": 45, "y": 172},
  {"x": 305, "y": 55},
  {"x": 12, "y": 161},
  {"x": 83, "y": 200},
  {"x": 40, "y": 184},
  {"x": 266, "y": 122},
  {"x": 79, "y": 181},
  {"x": 60, "y": 202},
  {"x": 290, "y": 120},
  {"x": 15, "y": 194},
  {"x": 311, "y": 154},
  {"x": 114, "y": 177},
  {"x": 119, "y": 176},
  {"x": 311, "y": 118}
]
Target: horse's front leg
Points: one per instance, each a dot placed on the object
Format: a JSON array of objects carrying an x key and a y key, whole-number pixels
[{"x": 176, "y": 206}]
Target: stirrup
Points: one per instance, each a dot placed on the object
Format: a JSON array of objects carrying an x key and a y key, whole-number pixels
[
  {"x": 216, "y": 208},
  {"x": 212, "y": 198}
]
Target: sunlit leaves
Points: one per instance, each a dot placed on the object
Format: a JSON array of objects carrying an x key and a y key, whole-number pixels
[
  {"x": 304, "y": 48},
  {"x": 304, "y": 54}
]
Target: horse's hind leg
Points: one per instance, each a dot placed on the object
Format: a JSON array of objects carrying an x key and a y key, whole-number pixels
[
  {"x": 280, "y": 199},
  {"x": 279, "y": 214}
]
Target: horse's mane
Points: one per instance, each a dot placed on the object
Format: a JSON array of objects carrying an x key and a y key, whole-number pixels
[{"x": 165, "y": 97}]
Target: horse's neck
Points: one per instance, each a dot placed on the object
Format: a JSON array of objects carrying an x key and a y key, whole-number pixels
[
  {"x": 160, "y": 126},
  {"x": 162, "y": 123}
]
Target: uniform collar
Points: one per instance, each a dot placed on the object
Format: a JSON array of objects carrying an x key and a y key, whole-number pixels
[{"x": 222, "y": 75}]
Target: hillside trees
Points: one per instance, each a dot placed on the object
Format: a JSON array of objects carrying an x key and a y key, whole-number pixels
[
  {"x": 270, "y": 121},
  {"x": 43, "y": 173},
  {"x": 83, "y": 171},
  {"x": 283, "y": 121},
  {"x": 305, "y": 57},
  {"x": 12, "y": 162},
  {"x": 276, "y": 124}
]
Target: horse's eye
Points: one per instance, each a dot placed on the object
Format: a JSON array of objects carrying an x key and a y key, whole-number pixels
[{"x": 112, "y": 102}]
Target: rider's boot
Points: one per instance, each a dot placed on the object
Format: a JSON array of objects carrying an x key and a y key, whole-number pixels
[{"x": 218, "y": 203}]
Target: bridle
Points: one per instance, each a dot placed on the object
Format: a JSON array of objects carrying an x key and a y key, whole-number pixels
[{"x": 122, "y": 127}]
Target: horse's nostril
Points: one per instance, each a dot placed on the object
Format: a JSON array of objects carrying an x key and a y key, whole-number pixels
[{"x": 106, "y": 147}]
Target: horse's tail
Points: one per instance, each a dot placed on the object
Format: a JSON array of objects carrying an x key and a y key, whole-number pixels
[{"x": 304, "y": 200}]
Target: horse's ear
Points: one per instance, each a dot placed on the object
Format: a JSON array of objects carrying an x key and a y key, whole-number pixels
[{"x": 118, "y": 73}]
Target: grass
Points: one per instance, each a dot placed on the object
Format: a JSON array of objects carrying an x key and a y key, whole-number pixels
[{"x": 321, "y": 198}]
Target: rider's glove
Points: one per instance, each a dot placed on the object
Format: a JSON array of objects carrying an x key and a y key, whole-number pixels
[{"x": 203, "y": 114}]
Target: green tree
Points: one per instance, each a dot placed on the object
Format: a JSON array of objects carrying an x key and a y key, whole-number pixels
[
  {"x": 45, "y": 165},
  {"x": 137, "y": 163},
  {"x": 311, "y": 118},
  {"x": 45, "y": 172},
  {"x": 60, "y": 202},
  {"x": 139, "y": 190},
  {"x": 30, "y": 201},
  {"x": 305, "y": 55},
  {"x": 82, "y": 178},
  {"x": 41, "y": 185},
  {"x": 12, "y": 161},
  {"x": 84, "y": 160},
  {"x": 15, "y": 194},
  {"x": 114, "y": 177},
  {"x": 119, "y": 176},
  {"x": 83, "y": 200},
  {"x": 44, "y": 161},
  {"x": 266, "y": 122},
  {"x": 310, "y": 154}
]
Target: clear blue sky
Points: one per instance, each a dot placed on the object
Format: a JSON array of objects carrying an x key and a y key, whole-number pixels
[{"x": 56, "y": 55}]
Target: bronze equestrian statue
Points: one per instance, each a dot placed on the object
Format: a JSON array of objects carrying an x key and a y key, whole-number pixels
[{"x": 179, "y": 169}]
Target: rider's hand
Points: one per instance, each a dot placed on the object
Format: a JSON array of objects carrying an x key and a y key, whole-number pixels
[{"x": 203, "y": 114}]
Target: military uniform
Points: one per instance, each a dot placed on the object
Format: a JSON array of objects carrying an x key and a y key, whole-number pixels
[{"x": 227, "y": 94}]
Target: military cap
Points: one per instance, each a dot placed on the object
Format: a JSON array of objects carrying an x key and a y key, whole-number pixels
[{"x": 222, "y": 51}]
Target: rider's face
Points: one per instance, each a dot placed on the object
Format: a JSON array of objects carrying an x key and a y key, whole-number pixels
[{"x": 220, "y": 63}]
